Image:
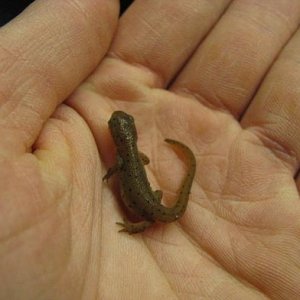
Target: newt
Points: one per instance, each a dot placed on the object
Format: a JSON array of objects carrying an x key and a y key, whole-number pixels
[{"x": 136, "y": 192}]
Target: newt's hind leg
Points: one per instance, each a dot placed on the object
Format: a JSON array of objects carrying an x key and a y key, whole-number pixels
[{"x": 134, "y": 227}]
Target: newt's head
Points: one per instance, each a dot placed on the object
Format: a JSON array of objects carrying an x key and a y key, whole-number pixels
[{"x": 122, "y": 128}]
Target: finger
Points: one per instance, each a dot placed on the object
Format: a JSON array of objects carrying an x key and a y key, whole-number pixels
[
  {"x": 45, "y": 53},
  {"x": 55, "y": 207},
  {"x": 228, "y": 67},
  {"x": 275, "y": 112},
  {"x": 42, "y": 179},
  {"x": 154, "y": 40},
  {"x": 71, "y": 170}
]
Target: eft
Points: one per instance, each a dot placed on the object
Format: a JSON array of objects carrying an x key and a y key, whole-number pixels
[{"x": 136, "y": 191}]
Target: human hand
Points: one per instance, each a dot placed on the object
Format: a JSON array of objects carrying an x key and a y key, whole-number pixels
[
  {"x": 239, "y": 238},
  {"x": 47, "y": 154},
  {"x": 223, "y": 80}
]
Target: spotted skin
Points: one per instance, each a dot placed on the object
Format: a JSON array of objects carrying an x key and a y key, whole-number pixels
[{"x": 136, "y": 191}]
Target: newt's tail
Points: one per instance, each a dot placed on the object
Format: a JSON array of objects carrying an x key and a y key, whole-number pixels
[{"x": 173, "y": 213}]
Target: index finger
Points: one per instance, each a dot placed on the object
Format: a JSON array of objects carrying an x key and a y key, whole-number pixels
[{"x": 45, "y": 53}]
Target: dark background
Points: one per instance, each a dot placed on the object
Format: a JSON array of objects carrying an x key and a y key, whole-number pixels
[{"x": 10, "y": 8}]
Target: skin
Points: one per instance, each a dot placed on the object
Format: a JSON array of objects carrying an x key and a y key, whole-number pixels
[
  {"x": 222, "y": 77},
  {"x": 137, "y": 194}
]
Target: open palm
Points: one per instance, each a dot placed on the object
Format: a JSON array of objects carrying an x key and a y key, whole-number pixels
[{"x": 222, "y": 79}]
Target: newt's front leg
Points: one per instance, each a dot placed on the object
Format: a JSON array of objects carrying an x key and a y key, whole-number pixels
[
  {"x": 114, "y": 169},
  {"x": 134, "y": 227}
]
